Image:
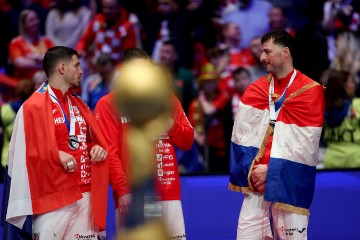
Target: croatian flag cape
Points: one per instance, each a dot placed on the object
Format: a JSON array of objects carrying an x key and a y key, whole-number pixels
[
  {"x": 292, "y": 168},
  {"x": 36, "y": 182}
]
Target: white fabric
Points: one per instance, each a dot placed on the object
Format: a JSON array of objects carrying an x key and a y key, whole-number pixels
[
  {"x": 18, "y": 209},
  {"x": 74, "y": 221},
  {"x": 250, "y": 126},
  {"x": 292, "y": 142},
  {"x": 173, "y": 217},
  {"x": 254, "y": 221}
]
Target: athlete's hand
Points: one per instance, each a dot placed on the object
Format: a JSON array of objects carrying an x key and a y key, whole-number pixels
[
  {"x": 258, "y": 176},
  {"x": 97, "y": 154},
  {"x": 67, "y": 161},
  {"x": 124, "y": 203}
]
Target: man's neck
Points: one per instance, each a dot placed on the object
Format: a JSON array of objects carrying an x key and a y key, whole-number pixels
[
  {"x": 283, "y": 72},
  {"x": 59, "y": 85}
]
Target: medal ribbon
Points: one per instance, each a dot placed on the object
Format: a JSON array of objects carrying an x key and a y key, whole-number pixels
[
  {"x": 275, "y": 107},
  {"x": 69, "y": 124}
]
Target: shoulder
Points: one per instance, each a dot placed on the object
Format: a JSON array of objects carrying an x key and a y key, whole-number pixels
[
  {"x": 17, "y": 40},
  {"x": 106, "y": 101},
  {"x": 305, "y": 83}
]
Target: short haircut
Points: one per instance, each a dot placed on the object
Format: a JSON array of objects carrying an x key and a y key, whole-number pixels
[
  {"x": 280, "y": 38},
  {"x": 56, "y": 54},
  {"x": 241, "y": 70},
  {"x": 134, "y": 53}
]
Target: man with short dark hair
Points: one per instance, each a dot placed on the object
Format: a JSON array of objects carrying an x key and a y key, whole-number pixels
[
  {"x": 56, "y": 159},
  {"x": 275, "y": 145}
]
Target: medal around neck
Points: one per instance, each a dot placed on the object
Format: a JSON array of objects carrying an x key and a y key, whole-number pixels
[{"x": 73, "y": 143}]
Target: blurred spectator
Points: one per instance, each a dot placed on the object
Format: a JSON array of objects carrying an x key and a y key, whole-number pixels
[
  {"x": 27, "y": 50},
  {"x": 229, "y": 6},
  {"x": 242, "y": 79},
  {"x": 311, "y": 56},
  {"x": 220, "y": 58},
  {"x": 278, "y": 21},
  {"x": 7, "y": 116},
  {"x": 239, "y": 56},
  {"x": 109, "y": 32},
  {"x": 99, "y": 84},
  {"x": 66, "y": 22},
  {"x": 9, "y": 23},
  {"x": 200, "y": 13},
  {"x": 183, "y": 79},
  {"x": 340, "y": 15},
  {"x": 38, "y": 79},
  {"x": 341, "y": 129},
  {"x": 348, "y": 53},
  {"x": 252, "y": 18},
  {"x": 257, "y": 70},
  {"x": 206, "y": 115},
  {"x": 168, "y": 23}
]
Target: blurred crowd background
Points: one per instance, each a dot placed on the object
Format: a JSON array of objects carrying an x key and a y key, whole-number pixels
[{"x": 212, "y": 49}]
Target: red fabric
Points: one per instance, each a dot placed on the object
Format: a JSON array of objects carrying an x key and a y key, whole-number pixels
[
  {"x": 200, "y": 58},
  {"x": 96, "y": 33},
  {"x": 81, "y": 155},
  {"x": 293, "y": 113},
  {"x": 19, "y": 47},
  {"x": 221, "y": 100},
  {"x": 226, "y": 83},
  {"x": 114, "y": 128},
  {"x": 215, "y": 131},
  {"x": 180, "y": 135},
  {"x": 241, "y": 58},
  {"x": 50, "y": 186}
]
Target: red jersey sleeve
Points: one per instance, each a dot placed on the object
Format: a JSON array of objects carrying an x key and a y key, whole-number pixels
[
  {"x": 111, "y": 128},
  {"x": 182, "y": 133}
]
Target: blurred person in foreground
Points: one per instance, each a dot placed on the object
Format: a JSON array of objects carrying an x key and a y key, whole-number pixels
[
  {"x": 275, "y": 145},
  {"x": 57, "y": 175},
  {"x": 114, "y": 125},
  {"x": 341, "y": 129}
]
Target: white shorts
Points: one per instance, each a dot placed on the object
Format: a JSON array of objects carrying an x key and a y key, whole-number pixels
[
  {"x": 171, "y": 212},
  {"x": 254, "y": 221},
  {"x": 74, "y": 221},
  {"x": 173, "y": 217}
]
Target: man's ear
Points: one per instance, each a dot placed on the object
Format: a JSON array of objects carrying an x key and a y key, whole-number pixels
[
  {"x": 286, "y": 52},
  {"x": 61, "y": 68}
]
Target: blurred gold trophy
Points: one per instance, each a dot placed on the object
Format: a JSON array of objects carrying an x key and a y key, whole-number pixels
[{"x": 143, "y": 93}]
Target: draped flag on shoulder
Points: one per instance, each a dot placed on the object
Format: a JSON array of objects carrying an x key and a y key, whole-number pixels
[
  {"x": 35, "y": 180},
  {"x": 291, "y": 171}
]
